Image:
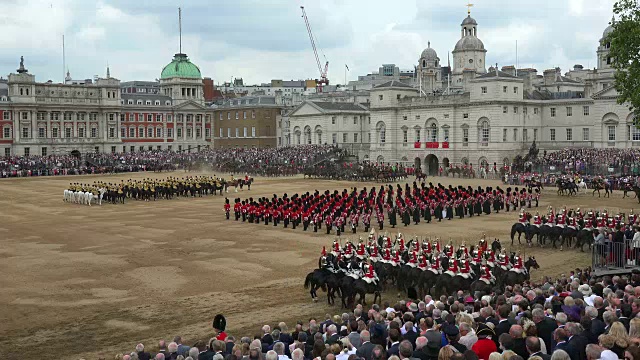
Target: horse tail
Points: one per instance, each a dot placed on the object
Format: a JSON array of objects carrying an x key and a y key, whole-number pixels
[
  {"x": 513, "y": 230},
  {"x": 308, "y": 280}
]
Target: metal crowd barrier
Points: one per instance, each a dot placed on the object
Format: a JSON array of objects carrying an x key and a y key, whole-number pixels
[{"x": 614, "y": 257}]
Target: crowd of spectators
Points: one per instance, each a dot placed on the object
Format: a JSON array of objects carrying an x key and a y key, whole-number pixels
[
  {"x": 580, "y": 158},
  {"x": 289, "y": 160},
  {"x": 574, "y": 317}
]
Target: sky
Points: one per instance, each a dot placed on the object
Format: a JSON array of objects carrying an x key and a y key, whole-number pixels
[{"x": 260, "y": 40}]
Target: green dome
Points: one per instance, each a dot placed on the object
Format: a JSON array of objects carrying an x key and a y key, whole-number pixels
[{"x": 181, "y": 67}]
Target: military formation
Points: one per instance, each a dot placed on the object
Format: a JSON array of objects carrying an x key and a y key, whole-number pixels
[
  {"x": 363, "y": 209},
  {"x": 149, "y": 189},
  {"x": 418, "y": 264}
]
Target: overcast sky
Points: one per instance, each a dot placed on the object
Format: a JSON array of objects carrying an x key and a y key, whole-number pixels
[{"x": 260, "y": 40}]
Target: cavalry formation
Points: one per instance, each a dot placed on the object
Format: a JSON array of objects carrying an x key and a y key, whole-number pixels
[
  {"x": 152, "y": 189},
  {"x": 356, "y": 209},
  {"x": 567, "y": 226},
  {"x": 352, "y": 271}
]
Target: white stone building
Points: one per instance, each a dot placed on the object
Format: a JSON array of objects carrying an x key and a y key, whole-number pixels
[
  {"x": 98, "y": 116},
  {"x": 484, "y": 116}
]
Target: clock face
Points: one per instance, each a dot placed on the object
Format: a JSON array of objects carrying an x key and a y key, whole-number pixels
[{"x": 470, "y": 61}]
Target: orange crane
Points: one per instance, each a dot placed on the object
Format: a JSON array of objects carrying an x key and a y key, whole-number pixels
[{"x": 323, "y": 72}]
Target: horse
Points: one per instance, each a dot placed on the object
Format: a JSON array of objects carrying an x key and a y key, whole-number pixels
[
  {"x": 519, "y": 228},
  {"x": 582, "y": 185},
  {"x": 479, "y": 286},
  {"x": 602, "y": 185},
  {"x": 566, "y": 186},
  {"x": 450, "y": 284},
  {"x": 362, "y": 288},
  {"x": 584, "y": 236},
  {"x": 322, "y": 279},
  {"x": 512, "y": 278},
  {"x": 636, "y": 190}
]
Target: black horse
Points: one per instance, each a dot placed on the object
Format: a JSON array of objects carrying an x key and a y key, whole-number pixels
[
  {"x": 566, "y": 187},
  {"x": 519, "y": 228},
  {"x": 512, "y": 278},
  {"x": 322, "y": 279},
  {"x": 602, "y": 185},
  {"x": 362, "y": 288}
]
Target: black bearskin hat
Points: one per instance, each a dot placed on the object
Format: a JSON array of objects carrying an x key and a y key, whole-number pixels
[{"x": 219, "y": 322}]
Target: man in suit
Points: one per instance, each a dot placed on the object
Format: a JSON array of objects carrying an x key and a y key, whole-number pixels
[
  {"x": 625, "y": 314},
  {"x": 519, "y": 345},
  {"x": 503, "y": 323},
  {"x": 332, "y": 335},
  {"x": 421, "y": 343},
  {"x": 411, "y": 335},
  {"x": 560, "y": 337},
  {"x": 577, "y": 341},
  {"x": 182, "y": 349},
  {"x": 394, "y": 338},
  {"x": 365, "y": 349},
  {"x": 354, "y": 337},
  {"x": 406, "y": 350},
  {"x": 486, "y": 315},
  {"x": 597, "y": 325},
  {"x": 142, "y": 355},
  {"x": 545, "y": 326},
  {"x": 533, "y": 348}
]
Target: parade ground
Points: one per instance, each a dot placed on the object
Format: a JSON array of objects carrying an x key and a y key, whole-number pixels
[{"x": 81, "y": 281}]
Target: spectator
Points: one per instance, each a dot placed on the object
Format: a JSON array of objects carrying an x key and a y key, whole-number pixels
[
  {"x": 142, "y": 355},
  {"x": 534, "y": 349},
  {"x": 354, "y": 336},
  {"x": 560, "y": 355},
  {"x": 468, "y": 336}
]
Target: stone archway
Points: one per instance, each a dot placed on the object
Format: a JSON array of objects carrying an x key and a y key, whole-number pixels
[
  {"x": 445, "y": 163},
  {"x": 380, "y": 160},
  {"x": 76, "y": 154},
  {"x": 418, "y": 164},
  {"x": 431, "y": 165}
]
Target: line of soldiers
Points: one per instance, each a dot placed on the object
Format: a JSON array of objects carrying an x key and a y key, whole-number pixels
[
  {"x": 361, "y": 260},
  {"x": 592, "y": 219},
  {"x": 153, "y": 189},
  {"x": 339, "y": 210}
]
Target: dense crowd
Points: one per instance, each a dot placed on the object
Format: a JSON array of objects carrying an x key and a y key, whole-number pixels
[
  {"x": 580, "y": 158},
  {"x": 573, "y": 317},
  {"x": 268, "y": 161}
]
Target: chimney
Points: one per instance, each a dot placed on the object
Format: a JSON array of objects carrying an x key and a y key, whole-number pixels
[
  {"x": 578, "y": 67},
  {"x": 549, "y": 76},
  {"x": 511, "y": 70}
]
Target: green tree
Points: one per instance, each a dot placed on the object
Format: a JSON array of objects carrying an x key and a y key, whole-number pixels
[{"x": 625, "y": 53}]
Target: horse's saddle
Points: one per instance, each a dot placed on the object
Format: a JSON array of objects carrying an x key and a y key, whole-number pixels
[
  {"x": 518, "y": 271},
  {"x": 464, "y": 276},
  {"x": 486, "y": 281},
  {"x": 450, "y": 273}
]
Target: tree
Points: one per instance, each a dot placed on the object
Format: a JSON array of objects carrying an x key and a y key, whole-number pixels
[{"x": 625, "y": 53}]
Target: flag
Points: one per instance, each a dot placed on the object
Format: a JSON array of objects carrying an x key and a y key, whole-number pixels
[{"x": 345, "y": 65}]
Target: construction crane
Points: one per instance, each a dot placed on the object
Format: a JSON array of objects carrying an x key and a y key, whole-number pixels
[{"x": 323, "y": 72}]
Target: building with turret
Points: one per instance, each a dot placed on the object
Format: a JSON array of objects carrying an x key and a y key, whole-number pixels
[
  {"x": 474, "y": 114},
  {"x": 100, "y": 115}
]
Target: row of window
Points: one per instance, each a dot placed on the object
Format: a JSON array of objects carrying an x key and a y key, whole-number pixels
[
  {"x": 334, "y": 120},
  {"x": 237, "y": 132},
  {"x": 237, "y": 116},
  {"x": 569, "y": 109},
  {"x": 147, "y": 102},
  {"x": 44, "y": 150}
]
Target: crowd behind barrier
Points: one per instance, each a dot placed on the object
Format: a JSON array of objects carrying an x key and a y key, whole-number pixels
[
  {"x": 269, "y": 161},
  {"x": 573, "y": 317}
]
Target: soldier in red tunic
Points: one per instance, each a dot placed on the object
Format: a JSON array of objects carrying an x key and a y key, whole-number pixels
[{"x": 227, "y": 208}]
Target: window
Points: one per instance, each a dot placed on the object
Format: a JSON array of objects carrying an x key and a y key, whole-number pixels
[
  {"x": 344, "y": 137},
  {"x": 504, "y": 89},
  {"x": 417, "y": 135},
  {"x": 40, "y": 115},
  {"x": 446, "y": 135},
  {"x": 113, "y": 149},
  {"x": 355, "y": 137},
  {"x": 333, "y": 120},
  {"x": 515, "y": 109},
  {"x": 524, "y": 110},
  {"x": 380, "y": 97},
  {"x": 253, "y": 114},
  {"x": 123, "y": 132},
  {"x": 6, "y": 132},
  {"x": 404, "y": 118},
  {"x": 237, "y": 115},
  {"x": 418, "y": 117},
  {"x": 112, "y": 117},
  {"x": 220, "y": 116},
  {"x": 228, "y": 115},
  {"x": 7, "y": 152},
  {"x": 43, "y": 151},
  {"x": 569, "y": 111},
  {"x": 504, "y": 135},
  {"x": 355, "y": 120},
  {"x": 465, "y": 137},
  {"x": 515, "y": 89},
  {"x": 81, "y": 132},
  {"x": 525, "y": 135},
  {"x": 25, "y": 116},
  {"x": 149, "y": 132},
  {"x": 190, "y": 133},
  {"x": 67, "y": 116},
  {"x": 585, "y": 134},
  {"x": 484, "y": 133},
  {"x": 398, "y": 97},
  {"x": 7, "y": 115},
  {"x": 27, "y": 151},
  {"x": 611, "y": 131},
  {"x": 369, "y": 137},
  {"x": 505, "y": 109},
  {"x": 405, "y": 136},
  {"x": 207, "y": 133},
  {"x": 228, "y": 132},
  {"x": 535, "y": 134},
  {"x": 237, "y": 132},
  {"x": 535, "y": 111},
  {"x": 552, "y": 134},
  {"x": 253, "y": 131},
  {"x": 515, "y": 135},
  {"x": 94, "y": 132},
  {"x": 41, "y": 132},
  {"x": 169, "y": 132},
  {"x": 484, "y": 89},
  {"x": 141, "y": 132},
  {"x": 553, "y": 112},
  {"x": 334, "y": 138},
  {"x": 112, "y": 132},
  {"x": 179, "y": 132},
  {"x": 198, "y": 133},
  {"x": 466, "y": 116},
  {"x": 25, "y": 132},
  {"x": 132, "y": 132}
]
